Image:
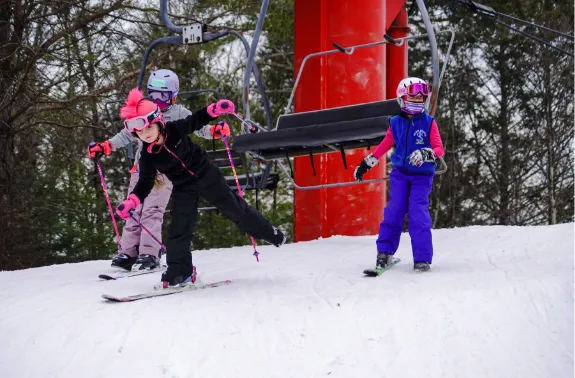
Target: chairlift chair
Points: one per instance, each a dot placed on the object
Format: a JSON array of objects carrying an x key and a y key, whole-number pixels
[{"x": 329, "y": 130}]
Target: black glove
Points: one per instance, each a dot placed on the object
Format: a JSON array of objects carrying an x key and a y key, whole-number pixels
[
  {"x": 425, "y": 155},
  {"x": 366, "y": 164}
]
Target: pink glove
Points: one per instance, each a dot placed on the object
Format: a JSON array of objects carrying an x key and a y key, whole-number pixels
[
  {"x": 220, "y": 130},
  {"x": 221, "y": 107},
  {"x": 123, "y": 209}
]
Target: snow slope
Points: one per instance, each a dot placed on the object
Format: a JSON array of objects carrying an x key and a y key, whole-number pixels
[{"x": 498, "y": 302}]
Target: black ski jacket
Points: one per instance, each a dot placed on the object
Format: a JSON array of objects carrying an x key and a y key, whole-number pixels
[{"x": 177, "y": 140}]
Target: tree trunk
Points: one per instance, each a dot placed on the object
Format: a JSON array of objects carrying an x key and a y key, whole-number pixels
[
  {"x": 505, "y": 167},
  {"x": 547, "y": 105}
]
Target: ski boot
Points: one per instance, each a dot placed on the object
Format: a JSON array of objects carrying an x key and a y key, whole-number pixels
[
  {"x": 279, "y": 237},
  {"x": 421, "y": 266},
  {"x": 146, "y": 262},
  {"x": 383, "y": 260},
  {"x": 170, "y": 281},
  {"x": 123, "y": 261}
]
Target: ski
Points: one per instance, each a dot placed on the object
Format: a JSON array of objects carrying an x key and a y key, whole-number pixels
[
  {"x": 109, "y": 277},
  {"x": 378, "y": 272},
  {"x": 162, "y": 292}
]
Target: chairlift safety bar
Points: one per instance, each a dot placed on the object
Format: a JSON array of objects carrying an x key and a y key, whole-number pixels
[{"x": 351, "y": 49}]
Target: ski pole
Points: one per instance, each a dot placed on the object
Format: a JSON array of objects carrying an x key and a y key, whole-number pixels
[
  {"x": 252, "y": 128},
  {"x": 121, "y": 207},
  {"x": 145, "y": 229},
  {"x": 256, "y": 253},
  {"x": 92, "y": 144}
]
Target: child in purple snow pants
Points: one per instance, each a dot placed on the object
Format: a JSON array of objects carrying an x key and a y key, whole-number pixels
[{"x": 417, "y": 142}]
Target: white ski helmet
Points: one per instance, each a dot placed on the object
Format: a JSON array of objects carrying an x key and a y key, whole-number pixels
[
  {"x": 163, "y": 86},
  {"x": 413, "y": 86}
]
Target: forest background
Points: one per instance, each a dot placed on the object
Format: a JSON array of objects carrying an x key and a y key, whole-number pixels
[{"x": 505, "y": 113}]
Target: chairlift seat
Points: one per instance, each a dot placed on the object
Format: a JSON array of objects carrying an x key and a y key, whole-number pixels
[{"x": 319, "y": 131}]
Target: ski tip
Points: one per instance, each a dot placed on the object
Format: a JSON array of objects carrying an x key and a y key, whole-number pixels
[
  {"x": 111, "y": 298},
  {"x": 216, "y": 284},
  {"x": 105, "y": 277}
]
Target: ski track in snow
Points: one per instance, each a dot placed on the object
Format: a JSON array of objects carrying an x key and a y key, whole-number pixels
[{"x": 498, "y": 302}]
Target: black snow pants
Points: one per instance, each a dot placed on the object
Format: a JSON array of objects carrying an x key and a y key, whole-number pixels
[{"x": 212, "y": 186}]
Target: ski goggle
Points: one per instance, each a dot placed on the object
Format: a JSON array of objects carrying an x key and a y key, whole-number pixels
[
  {"x": 418, "y": 88},
  {"x": 141, "y": 122},
  {"x": 160, "y": 96}
]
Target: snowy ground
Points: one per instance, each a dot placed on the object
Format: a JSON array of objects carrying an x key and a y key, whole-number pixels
[{"x": 497, "y": 303}]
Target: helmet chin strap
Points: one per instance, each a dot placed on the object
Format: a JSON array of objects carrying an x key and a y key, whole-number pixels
[{"x": 155, "y": 142}]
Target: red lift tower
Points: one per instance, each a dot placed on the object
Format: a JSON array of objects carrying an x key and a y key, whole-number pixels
[{"x": 368, "y": 75}]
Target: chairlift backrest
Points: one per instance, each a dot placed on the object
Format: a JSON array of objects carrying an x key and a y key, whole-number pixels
[{"x": 341, "y": 114}]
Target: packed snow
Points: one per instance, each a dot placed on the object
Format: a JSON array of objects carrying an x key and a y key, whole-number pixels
[{"x": 498, "y": 302}]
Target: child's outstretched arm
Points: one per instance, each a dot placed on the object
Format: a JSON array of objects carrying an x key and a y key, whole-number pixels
[
  {"x": 202, "y": 117},
  {"x": 192, "y": 122},
  {"x": 372, "y": 159},
  {"x": 121, "y": 139},
  {"x": 205, "y": 132}
]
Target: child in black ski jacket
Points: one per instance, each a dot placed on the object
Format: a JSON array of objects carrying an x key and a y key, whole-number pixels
[{"x": 168, "y": 150}]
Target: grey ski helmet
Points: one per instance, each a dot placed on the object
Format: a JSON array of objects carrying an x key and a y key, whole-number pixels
[{"x": 163, "y": 86}]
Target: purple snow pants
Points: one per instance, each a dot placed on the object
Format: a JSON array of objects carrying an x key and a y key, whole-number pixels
[
  {"x": 408, "y": 194},
  {"x": 151, "y": 214}
]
